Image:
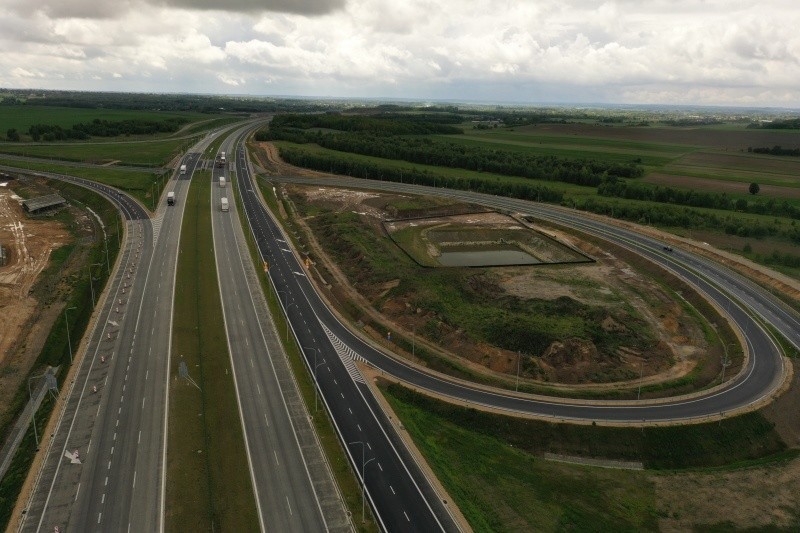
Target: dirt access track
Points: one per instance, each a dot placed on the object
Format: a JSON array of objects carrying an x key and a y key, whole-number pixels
[{"x": 28, "y": 244}]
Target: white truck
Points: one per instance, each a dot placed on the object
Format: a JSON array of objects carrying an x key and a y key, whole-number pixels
[
  {"x": 170, "y": 198},
  {"x": 183, "y": 170},
  {"x": 222, "y": 181},
  {"x": 223, "y": 204}
]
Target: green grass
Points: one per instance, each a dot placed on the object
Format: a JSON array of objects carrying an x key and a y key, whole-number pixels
[
  {"x": 208, "y": 478},
  {"x": 135, "y": 153},
  {"x": 22, "y": 117},
  {"x": 734, "y": 442},
  {"x": 500, "y": 487},
  {"x": 137, "y": 184},
  {"x": 598, "y": 149},
  {"x": 574, "y": 190}
]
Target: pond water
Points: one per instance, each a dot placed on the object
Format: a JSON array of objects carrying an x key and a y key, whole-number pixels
[{"x": 464, "y": 257}]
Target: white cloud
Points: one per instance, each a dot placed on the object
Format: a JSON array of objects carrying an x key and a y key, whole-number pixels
[{"x": 662, "y": 51}]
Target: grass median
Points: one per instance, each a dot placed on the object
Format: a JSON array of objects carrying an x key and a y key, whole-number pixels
[{"x": 208, "y": 478}]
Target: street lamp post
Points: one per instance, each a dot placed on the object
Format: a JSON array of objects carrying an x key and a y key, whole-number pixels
[
  {"x": 91, "y": 285},
  {"x": 30, "y": 399},
  {"x": 363, "y": 479},
  {"x": 316, "y": 383},
  {"x": 69, "y": 341},
  {"x": 287, "y": 319}
]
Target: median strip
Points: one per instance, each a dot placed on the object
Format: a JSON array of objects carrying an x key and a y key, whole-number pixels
[{"x": 208, "y": 483}]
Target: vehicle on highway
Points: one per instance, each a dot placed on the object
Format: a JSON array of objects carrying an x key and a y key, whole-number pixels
[
  {"x": 222, "y": 181},
  {"x": 667, "y": 248},
  {"x": 224, "y": 204},
  {"x": 183, "y": 170},
  {"x": 170, "y": 198}
]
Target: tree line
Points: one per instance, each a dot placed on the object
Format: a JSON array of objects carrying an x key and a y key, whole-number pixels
[
  {"x": 429, "y": 151},
  {"x": 786, "y": 124},
  {"x": 775, "y": 150},
  {"x": 387, "y": 124},
  {"x": 368, "y": 170},
  {"x": 669, "y": 195},
  {"x": 101, "y": 128}
]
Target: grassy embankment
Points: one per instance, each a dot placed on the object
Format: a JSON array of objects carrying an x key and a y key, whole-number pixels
[
  {"x": 468, "y": 298},
  {"x": 471, "y": 451},
  {"x": 134, "y": 153},
  {"x": 55, "y": 352},
  {"x": 331, "y": 446},
  {"x": 140, "y": 185},
  {"x": 208, "y": 477}
]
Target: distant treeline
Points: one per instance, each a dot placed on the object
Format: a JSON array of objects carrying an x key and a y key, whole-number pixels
[
  {"x": 776, "y": 150},
  {"x": 155, "y": 102},
  {"x": 402, "y": 145},
  {"x": 104, "y": 128},
  {"x": 383, "y": 125},
  {"x": 683, "y": 217},
  {"x": 787, "y": 124},
  {"x": 669, "y": 195},
  {"x": 360, "y": 169}
]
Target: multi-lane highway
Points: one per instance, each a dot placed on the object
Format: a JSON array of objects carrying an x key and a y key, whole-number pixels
[
  {"x": 395, "y": 487},
  {"x": 294, "y": 488},
  {"x": 114, "y": 419},
  {"x": 741, "y": 300}
]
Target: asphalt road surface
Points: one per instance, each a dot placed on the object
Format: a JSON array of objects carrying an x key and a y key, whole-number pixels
[
  {"x": 293, "y": 485},
  {"x": 737, "y": 297},
  {"x": 398, "y": 492},
  {"x": 115, "y": 418}
]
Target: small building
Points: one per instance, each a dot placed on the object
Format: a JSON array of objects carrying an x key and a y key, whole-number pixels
[{"x": 43, "y": 203}]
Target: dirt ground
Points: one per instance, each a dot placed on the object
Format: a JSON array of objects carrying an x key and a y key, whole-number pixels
[
  {"x": 24, "y": 319},
  {"x": 747, "y": 498},
  {"x": 608, "y": 282},
  {"x": 28, "y": 243},
  {"x": 730, "y": 187}
]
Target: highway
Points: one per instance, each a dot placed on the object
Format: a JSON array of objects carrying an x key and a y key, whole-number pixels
[
  {"x": 294, "y": 488},
  {"x": 115, "y": 414},
  {"x": 396, "y": 489},
  {"x": 761, "y": 377}
]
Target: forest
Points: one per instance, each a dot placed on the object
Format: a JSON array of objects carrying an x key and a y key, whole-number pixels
[
  {"x": 408, "y": 139},
  {"x": 104, "y": 128}
]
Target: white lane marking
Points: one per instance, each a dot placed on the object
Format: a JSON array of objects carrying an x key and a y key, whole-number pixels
[
  {"x": 351, "y": 411},
  {"x": 106, "y": 483},
  {"x": 393, "y": 492},
  {"x": 146, "y": 374},
  {"x": 359, "y": 426},
  {"x": 289, "y": 506},
  {"x": 77, "y": 491},
  {"x": 276, "y": 456},
  {"x": 103, "y": 499},
  {"x": 259, "y": 389},
  {"x": 99, "y": 516},
  {"x": 134, "y": 478},
  {"x": 407, "y": 518},
  {"x": 112, "y": 450},
  {"x": 115, "y": 435},
  {"x": 89, "y": 447},
  {"x": 143, "y": 399},
  {"x": 379, "y": 466},
  {"x": 266, "y": 419},
  {"x": 140, "y": 437}
]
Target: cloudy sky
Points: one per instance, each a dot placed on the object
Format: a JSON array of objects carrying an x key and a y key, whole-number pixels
[{"x": 723, "y": 52}]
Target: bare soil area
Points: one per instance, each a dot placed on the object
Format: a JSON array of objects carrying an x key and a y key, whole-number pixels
[
  {"x": 709, "y": 184},
  {"x": 28, "y": 243},
  {"x": 748, "y": 498},
  {"x": 26, "y": 311},
  {"x": 629, "y": 296}
]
